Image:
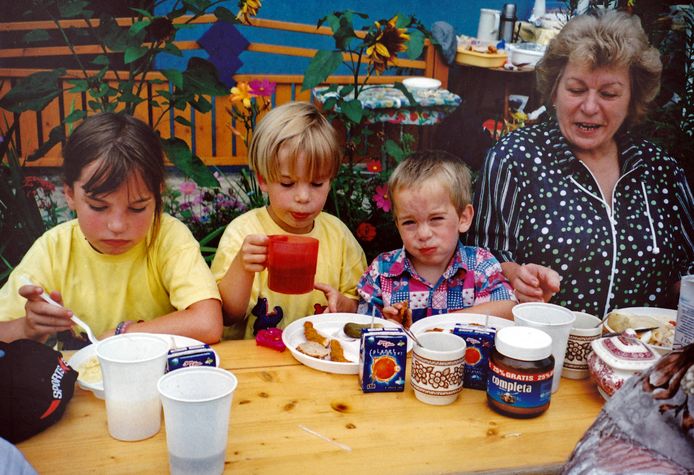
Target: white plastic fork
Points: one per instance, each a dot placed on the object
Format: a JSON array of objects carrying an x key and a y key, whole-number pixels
[{"x": 90, "y": 335}]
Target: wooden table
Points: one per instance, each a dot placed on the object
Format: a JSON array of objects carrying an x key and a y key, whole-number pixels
[{"x": 380, "y": 432}]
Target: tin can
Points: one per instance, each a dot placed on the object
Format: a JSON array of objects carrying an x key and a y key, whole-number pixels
[{"x": 684, "y": 330}]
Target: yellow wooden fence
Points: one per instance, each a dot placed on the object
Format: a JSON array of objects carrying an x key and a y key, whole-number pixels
[{"x": 210, "y": 136}]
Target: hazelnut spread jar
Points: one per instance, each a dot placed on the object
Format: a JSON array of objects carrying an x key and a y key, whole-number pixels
[{"x": 521, "y": 367}]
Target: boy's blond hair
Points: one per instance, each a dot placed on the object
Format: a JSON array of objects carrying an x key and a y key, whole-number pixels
[
  {"x": 300, "y": 128},
  {"x": 447, "y": 170}
]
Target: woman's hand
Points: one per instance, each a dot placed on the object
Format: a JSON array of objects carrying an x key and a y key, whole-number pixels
[
  {"x": 532, "y": 282},
  {"x": 43, "y": 319},
  {"x": 337, "y": 302}
]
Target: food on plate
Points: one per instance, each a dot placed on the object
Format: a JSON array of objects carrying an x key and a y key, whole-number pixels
[
  {"x": 353, "y": 330},
  {"x": 337, "y": 353},
  {"x": 321, "y": 347},
  {"x": 90, "y": 370},
  {"x": 662, "y": 333},
  {"x": 312, "y": 334},
  {"x": 314, "y": 349}
]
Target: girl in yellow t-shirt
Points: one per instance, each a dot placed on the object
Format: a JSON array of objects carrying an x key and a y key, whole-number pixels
[{"x": 122, "y": 265}]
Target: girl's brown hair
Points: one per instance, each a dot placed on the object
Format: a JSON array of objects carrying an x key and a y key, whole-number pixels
[{"x": 124, "y": 145}]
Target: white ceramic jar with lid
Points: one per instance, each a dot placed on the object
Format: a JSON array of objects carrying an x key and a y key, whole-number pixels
[{"x": 616, "y": 358}]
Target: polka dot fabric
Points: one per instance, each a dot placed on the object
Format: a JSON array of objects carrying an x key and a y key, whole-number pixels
[{"x": 535, "y": 202}]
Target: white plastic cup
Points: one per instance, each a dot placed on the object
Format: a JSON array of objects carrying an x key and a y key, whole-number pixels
[
  {"x": 197, "y": 402},
  {"x": 585, "y": 329},
  {"x": 554, "y": 320},
  {"x": 131, "y": 365},
  {"x": 437, "y": 368}
]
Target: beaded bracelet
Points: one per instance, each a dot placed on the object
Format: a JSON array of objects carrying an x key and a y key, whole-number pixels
[{"x": 122, "y": 326}]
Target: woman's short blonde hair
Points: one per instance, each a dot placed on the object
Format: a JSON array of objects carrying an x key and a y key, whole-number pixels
[
  {"x": 300, "y": 129},
  {"x": 444, "y": 169},
  {"x": 613, "y": 39}
]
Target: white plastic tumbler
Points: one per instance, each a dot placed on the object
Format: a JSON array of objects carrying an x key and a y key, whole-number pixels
[
  {"x": 197, "y": 402},
  {"x": 131, "y": 365},
  {"x": 554, "y": 320}
]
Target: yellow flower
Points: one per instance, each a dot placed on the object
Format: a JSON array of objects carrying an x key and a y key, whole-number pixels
[
  {"x": 241, "y": 93},
  {"x": 247, "y": 9},
  {"x": 388, "y": 42}
]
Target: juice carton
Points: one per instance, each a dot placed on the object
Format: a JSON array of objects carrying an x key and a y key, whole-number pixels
[
  {"x": 382, "y": 360},
  {"x": 480, "y": 343},
  {"x": 198, "y": 355}
]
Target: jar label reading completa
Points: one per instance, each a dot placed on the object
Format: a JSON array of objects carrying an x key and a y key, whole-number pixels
[{"x": 517, "y": 389}]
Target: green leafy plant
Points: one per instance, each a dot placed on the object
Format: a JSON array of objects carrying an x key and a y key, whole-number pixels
[{"x": 359, "y": 190}]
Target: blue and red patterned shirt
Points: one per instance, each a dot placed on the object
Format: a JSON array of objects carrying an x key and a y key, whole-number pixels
[{"x": 473, "y": 277}]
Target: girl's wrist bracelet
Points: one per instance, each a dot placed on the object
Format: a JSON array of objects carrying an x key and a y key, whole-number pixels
[{"x": 122, "y": 326}]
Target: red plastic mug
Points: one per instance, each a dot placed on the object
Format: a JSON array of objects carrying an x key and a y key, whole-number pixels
[{"x": 292, "y": 263}]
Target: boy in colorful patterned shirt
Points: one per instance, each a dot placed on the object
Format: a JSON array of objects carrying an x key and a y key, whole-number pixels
[{"x": 433, "y": 273}]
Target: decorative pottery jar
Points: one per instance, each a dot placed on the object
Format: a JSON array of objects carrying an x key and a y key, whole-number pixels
[{"x": 616, "y": 358}]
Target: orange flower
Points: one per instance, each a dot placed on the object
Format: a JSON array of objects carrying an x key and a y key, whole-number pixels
[
  {"x": 388, "y": 42},
  {"x": 241, "y": 93},
  {"x": 247, "y": 9}
]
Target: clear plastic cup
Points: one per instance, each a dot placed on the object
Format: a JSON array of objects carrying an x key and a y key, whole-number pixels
[
  {"x": 131, "y": 365},
  {"x": 554, "y": 320},
  {"x": 291, "y": 263},
  {"x": 197, "y": 402}
]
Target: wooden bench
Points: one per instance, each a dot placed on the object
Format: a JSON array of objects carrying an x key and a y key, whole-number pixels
[{"x": 210, "y": 136}]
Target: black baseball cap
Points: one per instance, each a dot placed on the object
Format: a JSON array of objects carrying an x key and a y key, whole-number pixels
[{"x": 35, "y": 386}]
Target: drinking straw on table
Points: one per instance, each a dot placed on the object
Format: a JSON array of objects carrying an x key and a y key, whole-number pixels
[{"x": 344, "y": 447}]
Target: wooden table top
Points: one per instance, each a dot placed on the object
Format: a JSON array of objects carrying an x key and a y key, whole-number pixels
[{"x": 277, "y": 397}]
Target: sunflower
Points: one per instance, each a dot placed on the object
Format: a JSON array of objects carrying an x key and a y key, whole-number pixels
[
  {"x": 388, "y": 41},
  {"x": 247, "y": 9},
  {"x": 241, "y": 93}
]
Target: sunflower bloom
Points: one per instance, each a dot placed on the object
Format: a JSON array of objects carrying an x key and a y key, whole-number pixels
[
  {"x": 241, "y": 93},
  {"x": 388, "y": 42},
  {"x": 247, "y": 9}
]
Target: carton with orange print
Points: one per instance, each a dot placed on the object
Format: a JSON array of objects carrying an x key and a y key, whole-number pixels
[
  {"x": 480, "y": 343},
  {"x": 382, "y": 360}
]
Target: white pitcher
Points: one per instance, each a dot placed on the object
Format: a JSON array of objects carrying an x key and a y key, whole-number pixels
[{"x": 488, "y": 28}]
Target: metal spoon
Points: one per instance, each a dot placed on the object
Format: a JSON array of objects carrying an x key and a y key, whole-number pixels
[{"x": 90, "y": 335}]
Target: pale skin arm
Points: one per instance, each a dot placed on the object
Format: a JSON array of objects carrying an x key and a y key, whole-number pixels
[
  {"x": 532, "y": 282},
  {"x": 201, "y": 321},
  {"x": 337, "y": 302},
  {"x": 235, "y": 287}
]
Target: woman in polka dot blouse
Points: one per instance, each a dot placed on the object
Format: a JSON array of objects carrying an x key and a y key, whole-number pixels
[{"x": 577, "y": 210}]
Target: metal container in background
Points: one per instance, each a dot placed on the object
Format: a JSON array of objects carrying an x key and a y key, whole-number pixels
[
  {"x": 507, "y": 23},
  {"x": 684, "y": 330}
]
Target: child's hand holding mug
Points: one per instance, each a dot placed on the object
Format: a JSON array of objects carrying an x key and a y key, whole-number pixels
[{"x": 254, "y": 252}]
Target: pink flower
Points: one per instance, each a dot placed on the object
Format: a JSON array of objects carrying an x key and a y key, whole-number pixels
[
  {"x": 381, "y": 197},
  {"x": 261, "y": 87},
  {"x": 187, "y": 187}
]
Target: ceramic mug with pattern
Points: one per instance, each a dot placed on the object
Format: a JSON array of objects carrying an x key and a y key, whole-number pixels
[
  {"x": 437, "y": 368},
  {"x": 585, "y": 329}
]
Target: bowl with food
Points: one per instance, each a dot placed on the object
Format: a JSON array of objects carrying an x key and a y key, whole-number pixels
[
  {"x": 86, "y": 363},
  {"x": 654, "y": 326}
]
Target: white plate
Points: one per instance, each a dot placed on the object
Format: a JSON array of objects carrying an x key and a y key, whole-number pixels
[
  {"x": 446, "y": 321},
  {"x": 422, "y": 83},
  {"x": 330, "y": 325},
  {"x": 83, "y": 355},
  {"x": 664, "y": 315}
]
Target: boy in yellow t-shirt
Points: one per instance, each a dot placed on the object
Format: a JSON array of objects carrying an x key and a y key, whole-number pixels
[
  {"x": 122, "y": 265},
  {"x": 295, "y": 154}
]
